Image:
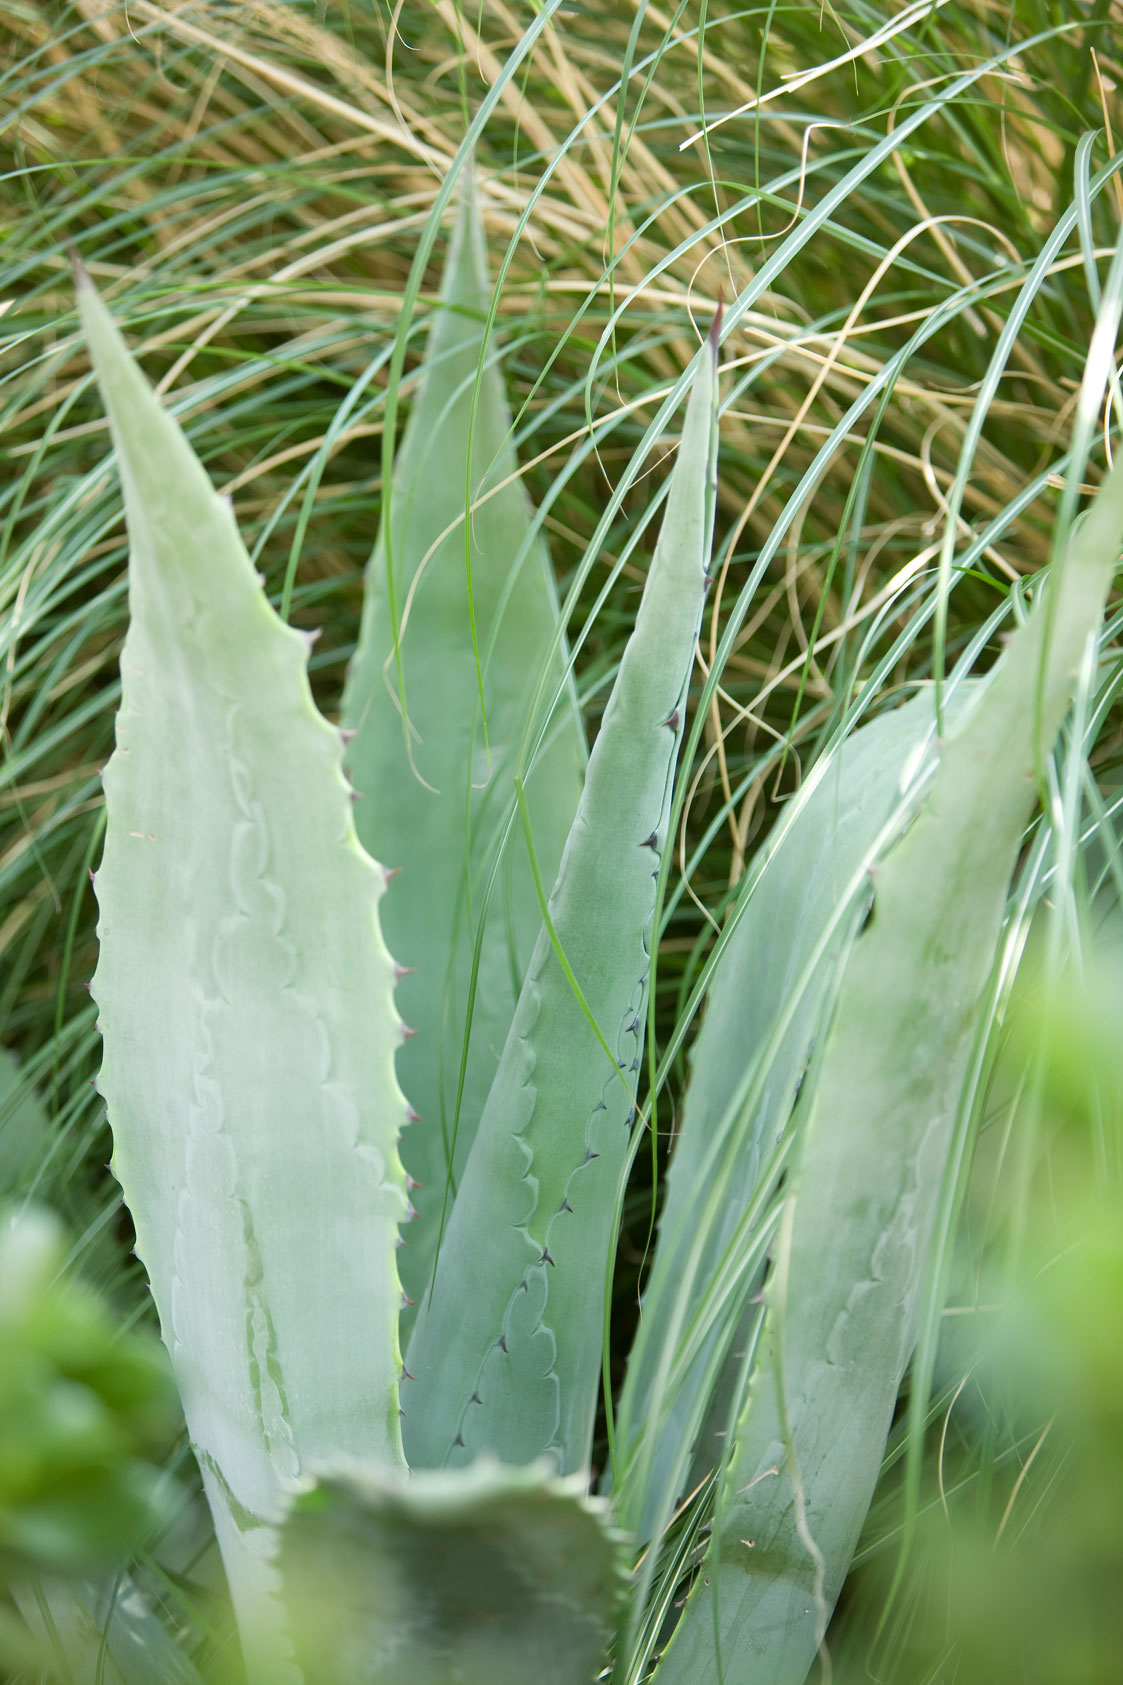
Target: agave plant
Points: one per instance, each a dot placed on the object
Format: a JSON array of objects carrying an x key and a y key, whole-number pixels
[{"x": 263, "y": 964}]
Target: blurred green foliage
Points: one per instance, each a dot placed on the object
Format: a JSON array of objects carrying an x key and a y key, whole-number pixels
[
  {"x": 1015, "y": 1569},
  {"x": 85, "y": 1412}
]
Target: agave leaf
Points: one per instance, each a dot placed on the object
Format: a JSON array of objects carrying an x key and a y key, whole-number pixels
[
  {"x": 246, "y": 1005},
  {"x": 791, "y": 916},
  {"x": 449, "y": 786},
  {"x": 506, "y": 1348},
  {"x": 842, "y": 1300},
  {"x": 482, "y": 1576}
]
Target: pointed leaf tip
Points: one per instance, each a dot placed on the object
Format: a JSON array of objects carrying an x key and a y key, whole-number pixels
[
  {"x": 77, "y": 268},
  {"x": 715, "y": 325}
]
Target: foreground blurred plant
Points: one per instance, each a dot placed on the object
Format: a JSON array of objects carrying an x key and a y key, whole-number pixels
[
  {"x": 84, "y": 1412},
  {"x": 1016, "y": 1556},
  {"x": 246, "y": 1003}
]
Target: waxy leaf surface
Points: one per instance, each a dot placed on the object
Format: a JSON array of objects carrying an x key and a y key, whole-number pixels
[
  {"x": 763, "y": 1006},
  {"x": 246, "y": 1003},
  {"x": 506, "y": 1348},
  {"x": 843, "y": 1293},
  {"x": 435, "y": 808}
]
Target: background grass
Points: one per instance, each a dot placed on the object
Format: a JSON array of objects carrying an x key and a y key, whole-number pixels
[{"x": 248, "y": 184}]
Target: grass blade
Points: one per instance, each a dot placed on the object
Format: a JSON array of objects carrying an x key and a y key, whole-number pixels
[
  {"x": 103, "y": 1632},
  {"x": 25, "y": 1128}
]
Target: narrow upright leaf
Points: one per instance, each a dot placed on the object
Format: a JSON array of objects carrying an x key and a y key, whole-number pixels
[
  {"x": 246, "y": 1005},
  {"x": 506, "y": 1349},
  {"x": 434, "y": 809},
  {"x": 842, "y": 1300},
  {"x": 485, "y": 1576},
  {"x": 802, "y": 886}
]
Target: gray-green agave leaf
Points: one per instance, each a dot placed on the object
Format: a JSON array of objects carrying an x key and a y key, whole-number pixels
[
  {"x": 245, "y": 999},
  {"x": 506, "y": 1347},
  {"x": 436, "y": 808},
  {"x": 843, "y": 1293},
  {"x": 762, "y": 1010}
]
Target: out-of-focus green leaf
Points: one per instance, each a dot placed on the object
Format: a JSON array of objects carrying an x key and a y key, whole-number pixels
[
  {"x": 506, "y": 1348},
  {"x": 436, "y": 808},
  {"x": 847, "y": 1271},
  {"x": 83, "y": 1408},
  {"x": 482, "y": 1576},
  {"x": 246, "y": 1004},
  {"x": 1016, "y": 1554}
]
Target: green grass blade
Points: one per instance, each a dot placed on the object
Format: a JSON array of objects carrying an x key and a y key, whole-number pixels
[
  {"x": 487, "y": 1576},
  {"x": 848, "y": 1270},
  {"x": 506, "y": 1350},
  {"x": 25, "y": 1128},
  {"x": 762, "y": 1011},
  {"x": 481, "y": 612},
  {"x": 246, "y": 1005}
]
